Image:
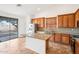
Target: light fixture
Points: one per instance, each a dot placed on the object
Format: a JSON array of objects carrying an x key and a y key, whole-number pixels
[
  {"x": 38, "y": 9},
  {"x": 18, "y": 5}
]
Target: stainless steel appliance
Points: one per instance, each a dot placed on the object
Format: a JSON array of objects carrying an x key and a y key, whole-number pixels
[{"x": 32, "y": 28}]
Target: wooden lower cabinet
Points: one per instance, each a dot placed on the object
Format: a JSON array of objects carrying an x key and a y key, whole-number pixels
[
  {"x": 58, "y": 37},
  {"x": 66, "y": 39},
  {"x": 61, "y": 38},
  {"x": 77, "y": 46},
  {"x": 52, "y": 38}
]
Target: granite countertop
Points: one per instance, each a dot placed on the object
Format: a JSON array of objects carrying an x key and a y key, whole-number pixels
[
  {"x": 76, "y": 38},
  {"x": 40, "y": 36}
]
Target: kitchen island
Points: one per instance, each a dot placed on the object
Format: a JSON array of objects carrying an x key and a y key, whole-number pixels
[
  {"x": 76, "y": 45},
  {"x": 38, "y": 42}
]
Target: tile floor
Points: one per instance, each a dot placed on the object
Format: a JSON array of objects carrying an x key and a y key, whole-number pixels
[{"x": 16, "y": 46}]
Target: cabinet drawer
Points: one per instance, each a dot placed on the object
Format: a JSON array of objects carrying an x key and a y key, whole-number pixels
[{"x": 65, "y": 39}]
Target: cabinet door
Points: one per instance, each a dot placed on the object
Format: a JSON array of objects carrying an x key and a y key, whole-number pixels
[
  {"x": 77, "y": 47},
  {"x": 65, "y": 20},
  {"x": 51, "y": 22},
  {"x": 34, "y": 21},
  {"x": 76, "y": 17},
  {"x": 71, "y": 21},
  {"x": 60, "y": 21},
  {"x": 77, "y": 14},
  {"x": 41, "y": 22},
  {"x": 58, "y": 37},
  {"x": 65, "y": 39},
  {"x": 52, "y": 38}
]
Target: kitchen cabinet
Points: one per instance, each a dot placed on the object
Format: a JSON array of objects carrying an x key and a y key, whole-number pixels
[
  {"x": 58, "y": 37},
  {"x": 77, "y": 18},
  {"x": 34, "y": 21},
  {"x": 61, "y": 38},
  {"x": 51, "y": 22},
  {"x": 52, "y": 38},
  {"x": 77, "y": 46},
  {"x": 66, "y": 21},
  {"x": 77, "y": 14},
  {"x": 40, "y": 22},
  {"x": 60, "y": 21},
  {"x": 66, "y": 39},
  {"x": 71, "y": 20}
]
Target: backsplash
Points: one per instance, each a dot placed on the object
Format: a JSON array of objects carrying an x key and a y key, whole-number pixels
[
  {"x": 68, "y": 30},
  {"x": 65, "y": 30}
]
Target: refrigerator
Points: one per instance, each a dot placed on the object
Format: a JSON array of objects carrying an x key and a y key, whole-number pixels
[{"x": 31, "y": 29}]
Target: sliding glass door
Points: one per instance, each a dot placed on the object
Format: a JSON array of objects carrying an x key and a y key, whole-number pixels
[{"x": 8, "y": 28}]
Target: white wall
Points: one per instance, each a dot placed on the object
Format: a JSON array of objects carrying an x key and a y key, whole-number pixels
[
  {"x": 23, "y": 24},
  {"x": 58, "y": 9}
]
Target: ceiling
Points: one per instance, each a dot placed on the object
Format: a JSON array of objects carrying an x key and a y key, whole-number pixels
[{"x": 24, "y": 9}]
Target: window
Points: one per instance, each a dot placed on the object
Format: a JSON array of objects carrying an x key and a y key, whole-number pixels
[{"x": 8, "y": 28}]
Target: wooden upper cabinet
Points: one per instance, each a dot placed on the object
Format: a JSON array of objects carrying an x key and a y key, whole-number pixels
[
  {"x": 39, "y": 21},
  {"x": 76, "y": 18},
  {"x": 65, "y": 21},
  {"x": 60, "y": 21},
  {"x": 66, "y": 39},
  {"x": 51, "y": 22},
  {"x": 34, "y": 21},
  {"x": 42, "y": 22},
  {"x": 77, "y": 15},
  {"x": 71, "y": 21}
]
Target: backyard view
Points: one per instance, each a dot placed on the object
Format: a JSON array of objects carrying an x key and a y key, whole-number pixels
[{"x": 8, "y": 28}]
